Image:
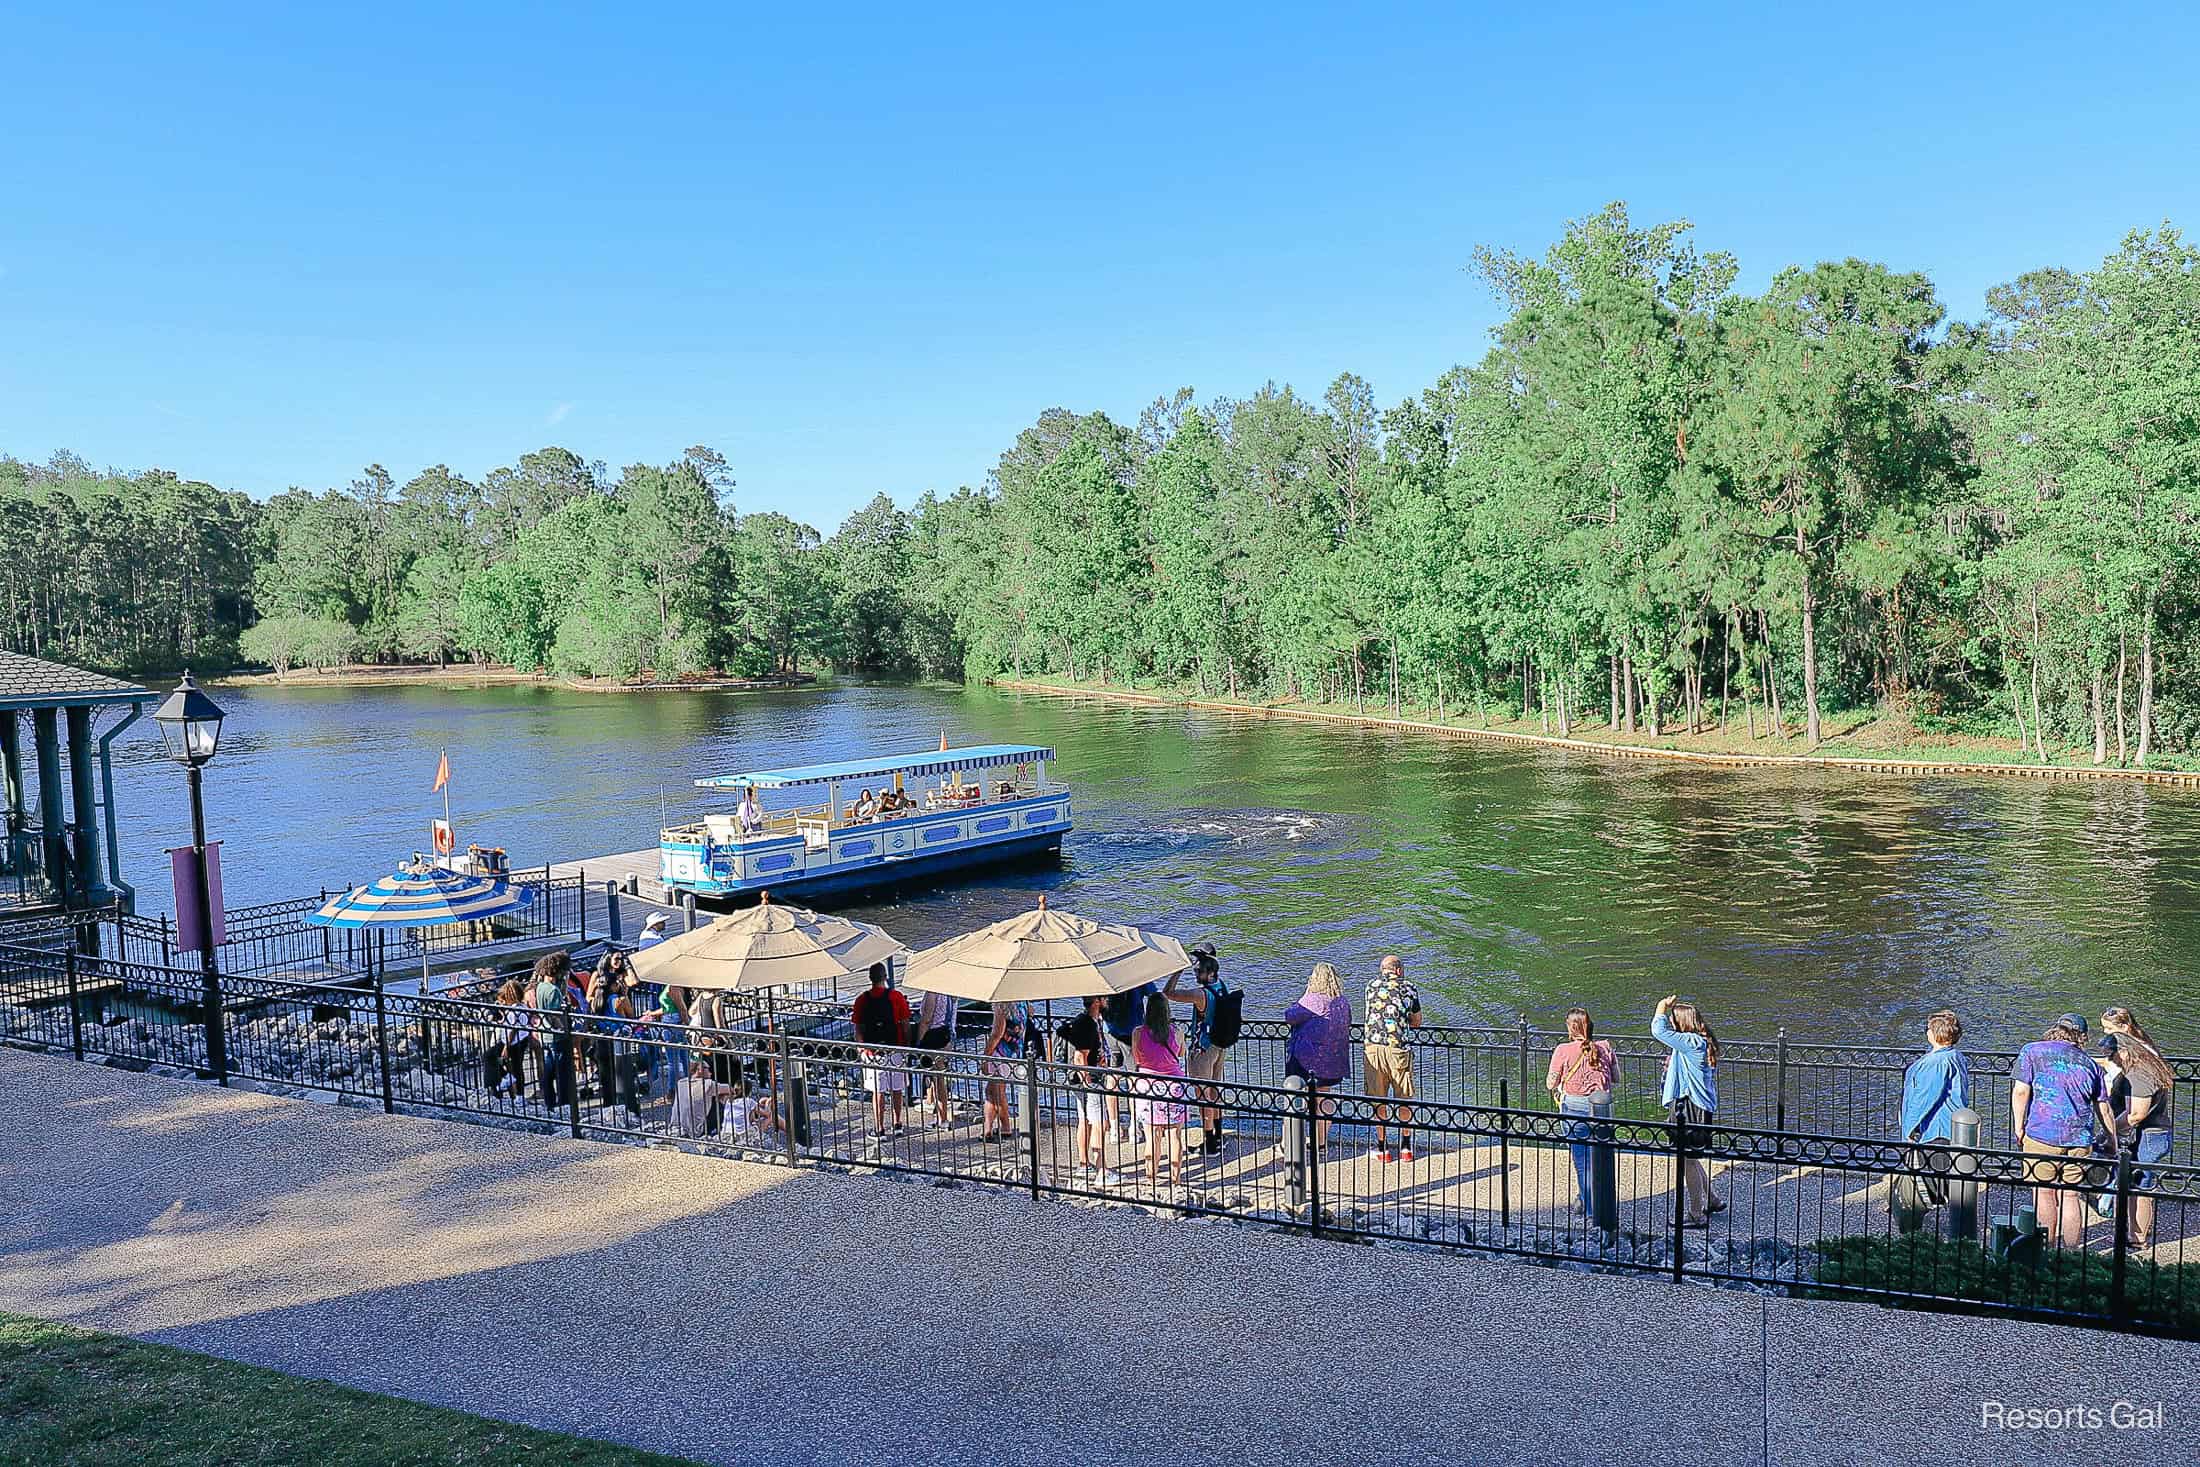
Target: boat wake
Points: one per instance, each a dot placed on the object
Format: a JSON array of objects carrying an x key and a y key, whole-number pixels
[{"x": 1248, "y": 827}]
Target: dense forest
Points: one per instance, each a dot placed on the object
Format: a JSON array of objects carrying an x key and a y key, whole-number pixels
[{"x": 1654, "y": 502}]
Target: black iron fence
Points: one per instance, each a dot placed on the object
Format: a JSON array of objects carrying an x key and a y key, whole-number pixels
[
  {"x": 1771, "y": 1085},
  {"x": 2105, "y": 1240},
  {"x": 273, "y": 939}
]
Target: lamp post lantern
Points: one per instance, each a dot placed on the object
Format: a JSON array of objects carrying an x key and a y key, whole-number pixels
[{"x": 191, "y": 727}]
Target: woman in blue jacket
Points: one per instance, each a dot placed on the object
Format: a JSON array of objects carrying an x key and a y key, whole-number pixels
[{"x": 1691, "y": 1093}]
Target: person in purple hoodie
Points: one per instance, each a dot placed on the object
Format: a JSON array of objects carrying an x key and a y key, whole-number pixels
[{"x": 1321, "y": 1036}]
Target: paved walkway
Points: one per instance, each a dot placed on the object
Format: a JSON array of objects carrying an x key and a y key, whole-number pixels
[{"x": 748, "y": 1313}]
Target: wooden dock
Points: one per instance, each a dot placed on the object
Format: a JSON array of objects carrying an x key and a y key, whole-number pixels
[{"x": 643, "y": 866}]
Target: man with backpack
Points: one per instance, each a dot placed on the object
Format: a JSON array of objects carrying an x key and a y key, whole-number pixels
[
  {"x": 1217, "y": 1015},
  {"x": 881, "y": 1017}
]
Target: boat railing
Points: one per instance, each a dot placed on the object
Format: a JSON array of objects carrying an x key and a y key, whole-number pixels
[{"x": 814, "y": 822}]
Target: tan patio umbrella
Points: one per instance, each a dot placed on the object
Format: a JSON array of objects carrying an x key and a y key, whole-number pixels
[
  {"x": 1045, "y": 954},
  {"x": 766, "y": 947}
]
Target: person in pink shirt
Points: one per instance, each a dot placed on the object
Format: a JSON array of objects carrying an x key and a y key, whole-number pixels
[
  {"x": 1156, "y": 1051},
  {"x": 1584, "y": 1073}
]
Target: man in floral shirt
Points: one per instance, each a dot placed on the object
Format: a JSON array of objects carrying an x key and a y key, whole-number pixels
[{"x": 1393, "y": 1007}]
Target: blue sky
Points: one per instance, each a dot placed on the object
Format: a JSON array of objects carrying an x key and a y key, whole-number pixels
[{"x": 856, "y": 253}]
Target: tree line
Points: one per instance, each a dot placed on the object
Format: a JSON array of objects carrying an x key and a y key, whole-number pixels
[{"x": 1655, "y": 503}]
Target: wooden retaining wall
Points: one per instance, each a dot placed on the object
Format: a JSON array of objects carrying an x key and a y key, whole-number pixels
[{"x": 2172, "y": 778}]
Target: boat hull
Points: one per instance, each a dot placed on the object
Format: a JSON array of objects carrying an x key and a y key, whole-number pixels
[{"x": 885, "y": 853}]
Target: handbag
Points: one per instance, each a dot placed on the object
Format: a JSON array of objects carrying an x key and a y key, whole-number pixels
[{"x": 1582, "y": 1061}]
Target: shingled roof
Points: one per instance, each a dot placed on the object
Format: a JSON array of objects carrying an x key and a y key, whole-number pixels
[{"x": 32, "y": 682}]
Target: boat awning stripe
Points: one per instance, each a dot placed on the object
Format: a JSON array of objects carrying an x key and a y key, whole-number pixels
[{"x": 978, "y": 756}]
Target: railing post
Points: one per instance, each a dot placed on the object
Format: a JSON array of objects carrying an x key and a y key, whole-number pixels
[
  {"x": 2119, "y": 1302},
  {"x": 1504, "y": 1154},
  {"x": 1031, "y": 1116},
  {"x": 1524, "y": 1071},
  {"x": 572, "y": 1073},
  {"x": 217, "y": 1043},
  {"x": 382, "y": 1047},
  {"x": 1680, "y": 1193},
  {"x": 167, "y": 959},
  {"x": 584, "y": 905},
  {"x": 76, "y": 1015},
  {"x": 328, "y": 958},
  {"x": 1780, "y": 1083}
]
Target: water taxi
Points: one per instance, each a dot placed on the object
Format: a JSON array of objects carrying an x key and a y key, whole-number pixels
[{"x": 912, "y": 815}]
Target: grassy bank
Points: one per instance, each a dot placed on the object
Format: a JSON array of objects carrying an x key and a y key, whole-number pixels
[
  {"x": 1868, "y": 739},
  {"x": 488, "y": 675},
  {"x": 72, "y": 1397}
]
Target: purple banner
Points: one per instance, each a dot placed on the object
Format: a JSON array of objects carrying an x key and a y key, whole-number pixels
[{"x": 184, "y": 862}]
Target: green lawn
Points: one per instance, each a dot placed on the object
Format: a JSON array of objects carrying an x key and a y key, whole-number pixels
[
  {"x": 1848, "y": 734},
  {"x": 70, "y": 1396}
]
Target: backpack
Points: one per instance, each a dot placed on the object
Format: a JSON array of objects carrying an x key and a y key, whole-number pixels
[
  {"x": 875, "y": 1017},
  {"x": 1125, "y": 1010},
  {"x": 1225, "y": 1014}
]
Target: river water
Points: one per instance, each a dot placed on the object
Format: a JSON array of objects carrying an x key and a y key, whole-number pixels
[{"x": 1845, "y": 907}]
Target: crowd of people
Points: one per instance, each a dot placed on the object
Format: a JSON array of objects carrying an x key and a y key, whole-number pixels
[{"x": 1148, "y": 1063}]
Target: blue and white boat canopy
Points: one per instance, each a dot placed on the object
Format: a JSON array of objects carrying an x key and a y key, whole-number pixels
[{"x": 941, "y": 761}]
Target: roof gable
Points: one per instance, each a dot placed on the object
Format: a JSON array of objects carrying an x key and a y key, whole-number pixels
[{"x": 33, "y": 682}]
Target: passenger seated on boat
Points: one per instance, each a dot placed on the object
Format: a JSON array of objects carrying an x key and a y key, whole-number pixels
[
  {"x": 866, "y": 808},
  {"x": 893, "y": 803},
  {"x": 749, "y": 815}
]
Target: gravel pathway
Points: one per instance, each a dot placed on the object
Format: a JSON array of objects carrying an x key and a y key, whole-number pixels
[{"x": 747, "y": 1313}]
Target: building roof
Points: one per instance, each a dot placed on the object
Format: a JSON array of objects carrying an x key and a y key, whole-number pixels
[
  {"x": 33, "y": 682},
  {"x": 931, "y": 761}
]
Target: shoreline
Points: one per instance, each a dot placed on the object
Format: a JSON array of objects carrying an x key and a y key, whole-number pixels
[
  {"x": 472, "y": 675},
  {"x": 1854, "y": 763}
]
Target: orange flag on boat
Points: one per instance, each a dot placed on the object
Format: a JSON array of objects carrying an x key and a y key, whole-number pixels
[
  {"x": 442, "y": 773},
  {"x": 943, "y": 741}
]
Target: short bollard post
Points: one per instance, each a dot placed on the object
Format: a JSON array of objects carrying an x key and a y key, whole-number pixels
[
  {"x": 1963, "y": 1186},
  {"x": 1298, "y": 1141},
  {"x": 798, "y": 1101},
  {"x": 1603, "y": 1176},
  {"x": 782, "y": 1074},
  {"x": 612, "y": 916},
  {"x": 687, "y": 911},
  {"x": 76, "y": 1013}
]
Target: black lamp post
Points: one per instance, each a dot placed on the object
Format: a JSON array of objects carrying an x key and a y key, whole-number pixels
[{"x": 191, "y": 727}]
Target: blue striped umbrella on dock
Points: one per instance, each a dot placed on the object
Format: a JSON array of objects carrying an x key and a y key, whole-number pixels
[{"x": 422, "y": 894}]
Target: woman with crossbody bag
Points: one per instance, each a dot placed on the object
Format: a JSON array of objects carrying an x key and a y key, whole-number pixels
[{"x": 1583, "y": 1073}]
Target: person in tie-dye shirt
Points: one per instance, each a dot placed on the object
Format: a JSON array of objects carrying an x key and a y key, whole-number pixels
[{"x": 2058, "y": 1097}]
